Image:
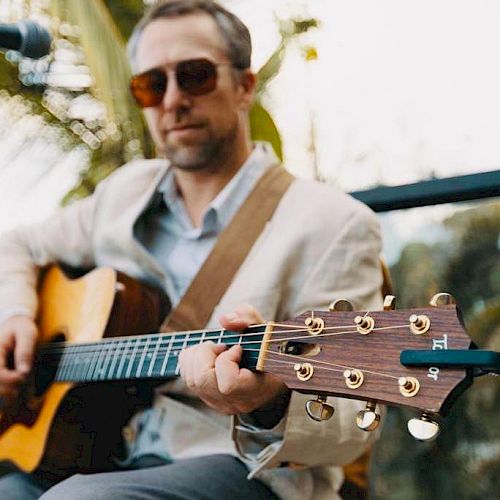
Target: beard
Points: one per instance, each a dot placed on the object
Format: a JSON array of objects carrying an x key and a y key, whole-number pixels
[{"x": 203, "y": 154}]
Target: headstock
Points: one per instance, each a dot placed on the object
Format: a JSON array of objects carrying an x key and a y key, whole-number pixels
[{"x": 356, "y": 354}]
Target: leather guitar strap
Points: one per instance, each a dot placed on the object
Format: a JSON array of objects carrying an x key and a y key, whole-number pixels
[{"x": 233, "y": 245}]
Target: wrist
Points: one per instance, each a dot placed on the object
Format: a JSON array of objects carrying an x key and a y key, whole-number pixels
[{"x": 270, "y": 414}]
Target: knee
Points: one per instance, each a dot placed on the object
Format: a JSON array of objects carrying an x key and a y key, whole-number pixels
[{"x": 77, "y": 487}]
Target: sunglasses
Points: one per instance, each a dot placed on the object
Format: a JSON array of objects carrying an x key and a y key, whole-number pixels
[{"x": 193, "y": 76}]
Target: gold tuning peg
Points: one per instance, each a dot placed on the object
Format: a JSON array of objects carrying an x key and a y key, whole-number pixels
[
  {"x": 319, "y": 410},
  {"x": 442, "y": 299},
  {"x": 341, "y": 305},
  {"x": 368, "y": 419},
  {"x": 389, "y": 303},
  {"x": 423, "y": 428}
]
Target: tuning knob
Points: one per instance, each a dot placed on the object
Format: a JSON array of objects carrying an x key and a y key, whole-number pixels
[
  {"x": 319, "y": 410},
  {"x": 368, "y": 419},
  {"x": 423, "y": 428},
  {"x": 389, "y": 303},
  {"x": 442, "y": 299},
  {"x": 341, "y": 305}
]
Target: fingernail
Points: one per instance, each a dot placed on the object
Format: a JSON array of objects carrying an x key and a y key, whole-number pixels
[{"x": 231, "y": 317}]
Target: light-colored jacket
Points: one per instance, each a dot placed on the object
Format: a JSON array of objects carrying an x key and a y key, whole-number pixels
[{"x": 320, "y": 245}]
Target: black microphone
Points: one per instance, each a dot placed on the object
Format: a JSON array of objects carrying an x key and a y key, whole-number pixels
[{"x": 27, "y": 37}]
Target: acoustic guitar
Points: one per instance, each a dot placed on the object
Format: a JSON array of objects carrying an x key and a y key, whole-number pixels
[{"x": 87, "y": 376}]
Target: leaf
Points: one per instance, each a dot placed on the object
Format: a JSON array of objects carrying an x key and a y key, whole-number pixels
[
  {"x": 104, "y": 51},
  {"x": 262, "y": 128}
]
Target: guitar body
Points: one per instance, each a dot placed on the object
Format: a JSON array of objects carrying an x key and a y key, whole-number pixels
[{"x": 65, "y": 428}]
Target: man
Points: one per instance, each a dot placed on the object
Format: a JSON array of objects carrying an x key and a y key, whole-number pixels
[{"x": 157, "y": 221}]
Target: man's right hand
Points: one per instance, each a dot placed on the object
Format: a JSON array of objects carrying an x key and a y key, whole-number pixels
[{"x": 18, "y": 336}]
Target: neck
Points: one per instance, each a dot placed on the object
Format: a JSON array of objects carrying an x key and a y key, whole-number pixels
[
  {"x": 154, "y": 356},
  {"x": 199, "y": 188}
]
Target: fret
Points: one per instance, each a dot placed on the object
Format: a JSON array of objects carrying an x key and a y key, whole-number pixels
[
  {"x": 155, "y": 354},
  {"x": 132, "y": 359},
  {"x": 98, "y": 367},
  {"x": 221, "y": 335},
  {"x": 73, "y": 371},
  {"x": 95, "y": 362},
  {"x": 78, "y": 372},
  {"x": 69, "y": 362},
  {"x": 116, "y": 356},
  {"x": 61, "y": 368},
  {"x": 167, "y": 355},
  {"x": 101, "y": 350},
  {"x": 88, "y": 360},
  {"x": 195, "y": 339},
  {"x": 253, "y": 339},
  {"x": 110, "y": 351},
  {"x": 141, "y": 361},
  {"x": 184, "y": 344},
  {"x": 123, "y": 359},
  {"x": 63, "y": 365}
]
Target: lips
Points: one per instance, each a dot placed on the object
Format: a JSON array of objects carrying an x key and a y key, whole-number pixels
[{"x": 184, "y": 127}]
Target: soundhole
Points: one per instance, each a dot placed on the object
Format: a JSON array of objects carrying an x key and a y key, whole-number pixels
[{"x": 299, "y": 349}]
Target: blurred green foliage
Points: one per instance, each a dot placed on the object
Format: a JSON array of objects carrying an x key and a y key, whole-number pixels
[{"x": 464, "y": 461}]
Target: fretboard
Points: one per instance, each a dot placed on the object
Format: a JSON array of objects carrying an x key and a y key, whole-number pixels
[{"x": 152, "y": 356}]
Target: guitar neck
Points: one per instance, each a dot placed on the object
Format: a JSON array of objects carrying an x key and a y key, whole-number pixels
[{"x": 152, "y": 356}]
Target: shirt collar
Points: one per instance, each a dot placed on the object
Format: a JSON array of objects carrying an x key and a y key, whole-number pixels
[{"x": 224, "y": 206}]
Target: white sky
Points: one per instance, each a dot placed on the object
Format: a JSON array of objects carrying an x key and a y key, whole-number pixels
[{"x": 401, "y": 90}]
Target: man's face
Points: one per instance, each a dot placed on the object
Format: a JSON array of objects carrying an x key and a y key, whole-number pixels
[{"x": 193, "y": 131}]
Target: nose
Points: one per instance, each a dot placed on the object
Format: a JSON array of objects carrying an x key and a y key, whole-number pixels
[{"x": 174, "y": 98}]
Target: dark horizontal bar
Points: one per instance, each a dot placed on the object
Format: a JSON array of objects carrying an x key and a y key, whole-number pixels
[
  {"x": 432, "y": 192},
  {"x": 452, "y": 358}
]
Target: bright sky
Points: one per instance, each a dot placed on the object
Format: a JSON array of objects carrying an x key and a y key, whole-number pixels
[{"x": 401, "y": 90}]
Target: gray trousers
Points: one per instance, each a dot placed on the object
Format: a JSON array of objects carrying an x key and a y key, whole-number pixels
[{"x": 214, "y": 477}]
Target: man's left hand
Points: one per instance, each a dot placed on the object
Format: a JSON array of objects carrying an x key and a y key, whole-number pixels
[{"x": 213, "y": 372}]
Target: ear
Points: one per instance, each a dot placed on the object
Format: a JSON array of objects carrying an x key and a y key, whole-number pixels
[{"x": 246, "y": 88}]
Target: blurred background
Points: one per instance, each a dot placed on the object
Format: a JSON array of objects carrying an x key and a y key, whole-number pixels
[{"x": 359, "y": 94}]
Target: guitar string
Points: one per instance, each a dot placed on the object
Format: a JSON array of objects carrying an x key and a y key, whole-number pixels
[
  {"x": 94, "y": 371},
  {"x": 169, "y": 335},
  {"x": 78, "y": 350},
  {"x": 338, "y": 367},
  {"x": 70, "y": 361},
  {"x": 169, "y": 341},
  {"x": 315, "y": 362}
]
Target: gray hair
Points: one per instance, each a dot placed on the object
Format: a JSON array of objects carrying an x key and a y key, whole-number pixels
[{"x": 232, "y": 29}]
